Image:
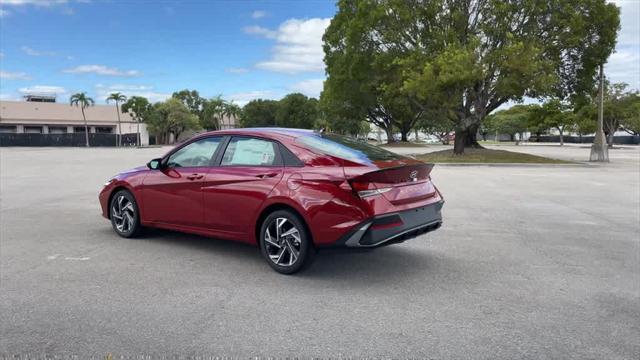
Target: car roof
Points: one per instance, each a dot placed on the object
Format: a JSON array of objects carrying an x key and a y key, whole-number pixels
[{"x": 271, "y": 132}]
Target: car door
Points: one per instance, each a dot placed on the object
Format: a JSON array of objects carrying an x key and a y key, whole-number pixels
[
  {"x": 235, "y": 190},
  {"x": 173, "y": 194}
]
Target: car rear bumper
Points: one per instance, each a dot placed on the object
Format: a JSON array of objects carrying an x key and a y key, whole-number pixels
[{"x": 395, "y": 227}]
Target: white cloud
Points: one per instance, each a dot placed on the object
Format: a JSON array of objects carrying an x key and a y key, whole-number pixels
[
  {"x": 44, "y": 3},
  {"x": 629, "y": 33},
  {"x": 14, "y": 75},
  {"x": 258, "y": 14},
  {"x": 9, "y": 97},
  {"x": 244, "y": 97},
  {"x": 298, "y": 45},
  {"x": 32, "y": 52},
  {"x": 102, "y": 70},
  {"x": 624, "y": 66},
  {"x": 43, "y": 90},
  {"x": 40, "y": 4},
  {"x": 102, "y": 91},
  {"x": 310, "y": 87},
  {"x": 259, "y": 30},
  {"x": 237, "y": 70}
]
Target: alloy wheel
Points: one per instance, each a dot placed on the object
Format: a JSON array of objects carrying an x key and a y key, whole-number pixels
[
  {"x": 282, "y": 242},
  {"x": 123, "y": 214}
]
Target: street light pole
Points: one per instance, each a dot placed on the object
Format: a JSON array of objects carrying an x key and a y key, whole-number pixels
[{"x": 599, "y": 149}]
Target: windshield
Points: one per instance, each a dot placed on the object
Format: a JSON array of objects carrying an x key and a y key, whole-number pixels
[{"x": 347, "y": 148}]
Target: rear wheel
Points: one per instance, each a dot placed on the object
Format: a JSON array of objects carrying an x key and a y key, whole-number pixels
[
  {"x": 125, "y": 217},
  {"x": 285, "y": 243}
]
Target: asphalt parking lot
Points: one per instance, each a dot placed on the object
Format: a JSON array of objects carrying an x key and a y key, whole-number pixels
[{"x": 531, "y": 262}]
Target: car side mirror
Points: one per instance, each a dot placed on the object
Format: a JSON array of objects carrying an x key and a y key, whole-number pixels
[{"x": 155, "y": 164}]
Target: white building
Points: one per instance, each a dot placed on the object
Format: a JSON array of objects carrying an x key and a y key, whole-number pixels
[{"x": 36, "y": 117}]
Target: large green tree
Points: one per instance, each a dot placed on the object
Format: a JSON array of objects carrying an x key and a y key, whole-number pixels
[
  {"x": 259, "y": 113},
  {"x": 297, "y": 111},
  {"x": 535, "y": 121},
  {"x": 631, "y": 123},
  {"x": 513, "y": 121},
  {"x": 231, "y": 112},
  {"x": 191, "y": 99},
  {"x": 171, "y": 117},
  {"x": 83, "y": 101},
  {"x": 139, "y": 108},
  {"x": 212, "y": 113},
  {"x": 470, "y": 56},
  {"x": 557, "y": 115},
  {"x": 585, "y": 124},
  {"x": 620, "y": 111},
  {"x": 364, "y": 78}
]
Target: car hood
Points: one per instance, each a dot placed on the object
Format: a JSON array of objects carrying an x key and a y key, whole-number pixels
[{"x": 133, "y": 171}]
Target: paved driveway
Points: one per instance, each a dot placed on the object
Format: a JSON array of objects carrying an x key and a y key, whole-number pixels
[{"x": 532, "y": 262}]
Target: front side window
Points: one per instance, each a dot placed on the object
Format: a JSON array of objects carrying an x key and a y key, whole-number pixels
[
  {"x": 197, "y": 153},
  {"x": 250, "y": 152}
]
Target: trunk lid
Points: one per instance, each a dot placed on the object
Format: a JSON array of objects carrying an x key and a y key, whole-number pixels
[{"x": 400, "y": 184}]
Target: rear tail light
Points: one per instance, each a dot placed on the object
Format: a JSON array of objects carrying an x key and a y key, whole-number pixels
[{"x": 365, "y": 189}]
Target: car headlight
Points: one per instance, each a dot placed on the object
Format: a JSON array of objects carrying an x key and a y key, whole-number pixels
[{"x": 109, "y": 181}]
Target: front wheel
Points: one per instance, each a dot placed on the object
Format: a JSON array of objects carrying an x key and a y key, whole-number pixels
[
  {"x": 285, "y": 243},
  {"x": 124, "y": 214}
]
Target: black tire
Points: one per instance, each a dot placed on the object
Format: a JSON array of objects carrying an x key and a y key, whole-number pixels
[
  {"x": 286, "y": 244},
  {"x": 125, "y": 222}
]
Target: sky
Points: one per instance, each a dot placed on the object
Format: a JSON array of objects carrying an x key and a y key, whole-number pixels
[{"x": 241, "y": 50}]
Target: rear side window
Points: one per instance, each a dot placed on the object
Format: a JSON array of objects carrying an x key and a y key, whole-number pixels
[
  {"x": 289, "y": 159},
  {"x": 251, "y": 152},
  {"x": 346, "y": 148}
]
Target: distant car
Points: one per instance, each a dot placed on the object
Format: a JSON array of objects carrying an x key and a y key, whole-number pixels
[{"x": 289, "y": 191}]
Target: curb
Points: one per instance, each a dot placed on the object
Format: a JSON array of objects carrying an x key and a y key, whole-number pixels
[{"x": 574, "y": 164}]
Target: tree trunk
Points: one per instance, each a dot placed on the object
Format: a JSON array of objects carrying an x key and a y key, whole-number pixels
[
  {"x": 416, "y": 131},
  {"x": 86, "y": 127},
  {"x": 466, "y": 138},
  {"x": 561, "y": 138},
  {"x": 403, "y": 136},
  {"x": 458, "y": 142},
  {"x": 389, "y": 131},
  {"x": 119, "y": 135},
  {"x": 610, "y": 140}
]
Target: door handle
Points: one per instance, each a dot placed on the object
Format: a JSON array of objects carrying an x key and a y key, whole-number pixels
[
  {"x": 195, "y": 176},
  {"x": 268, "y": 175}
]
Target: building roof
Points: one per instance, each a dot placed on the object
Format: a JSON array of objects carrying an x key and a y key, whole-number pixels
[{"x": 43, "y": 112}]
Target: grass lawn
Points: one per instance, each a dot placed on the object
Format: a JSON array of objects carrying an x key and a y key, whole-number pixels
[
  {"x": 492, "y": 142},
  {"x": 404, "y": 144},
  {"x": 486, "y": 156}
]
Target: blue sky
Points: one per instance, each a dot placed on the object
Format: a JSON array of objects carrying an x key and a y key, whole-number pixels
[{"x": 240, "y": 49}]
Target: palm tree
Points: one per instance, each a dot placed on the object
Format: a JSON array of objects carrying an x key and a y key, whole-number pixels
[
  {"x": 118, "y": 97},
  {"x": 83, "y": 101},
  {"x": 230, "y": 109}
]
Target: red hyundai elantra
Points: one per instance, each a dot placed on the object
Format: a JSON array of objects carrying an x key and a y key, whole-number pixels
[{"x": 289, "y": 191}]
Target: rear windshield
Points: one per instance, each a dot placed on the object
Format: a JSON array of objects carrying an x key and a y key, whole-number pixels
[{"x": 347, "y": 148}]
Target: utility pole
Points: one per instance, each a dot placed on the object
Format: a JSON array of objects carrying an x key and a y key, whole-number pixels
[{"x": 599, "y": 149}]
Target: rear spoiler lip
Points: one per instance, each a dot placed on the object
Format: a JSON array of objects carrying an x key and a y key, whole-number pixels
[{"x": 428, "y": 166}]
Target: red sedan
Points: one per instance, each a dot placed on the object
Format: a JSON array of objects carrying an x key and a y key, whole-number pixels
[{"x": 289, "y": 191}]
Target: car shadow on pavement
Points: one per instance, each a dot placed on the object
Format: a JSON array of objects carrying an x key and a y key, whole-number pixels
[{"x": 384, "y": 264}]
